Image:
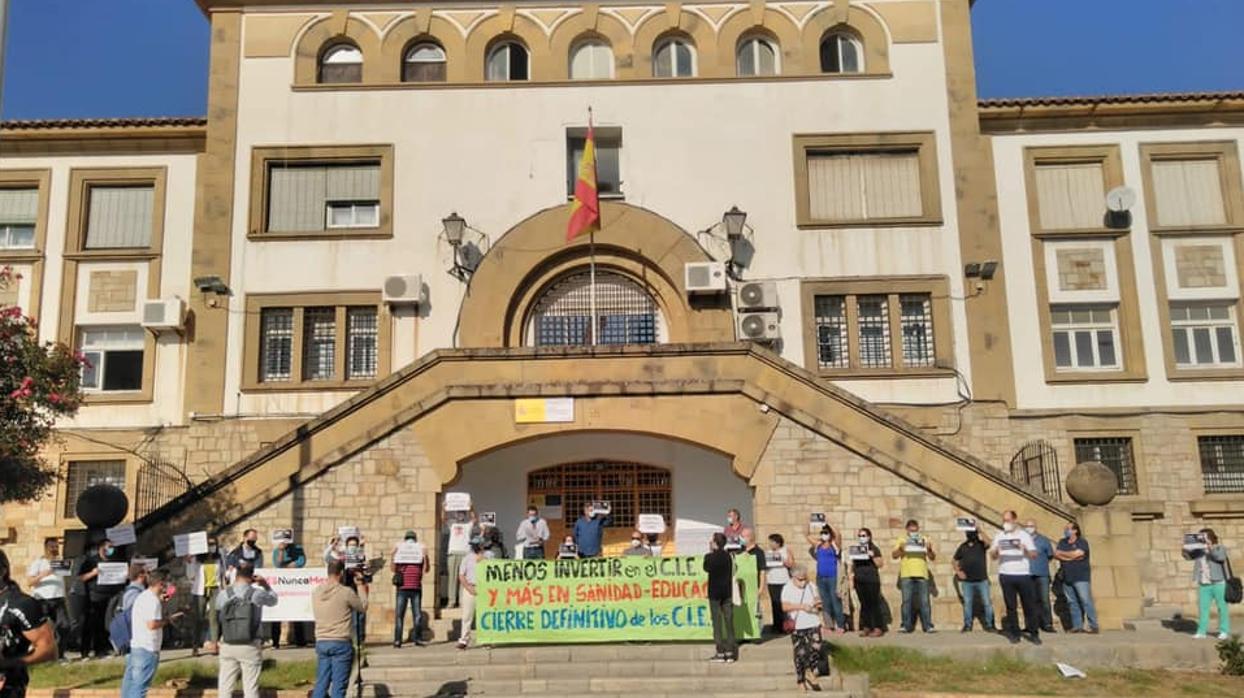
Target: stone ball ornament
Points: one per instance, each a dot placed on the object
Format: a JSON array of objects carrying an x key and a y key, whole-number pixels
[
  {"x": 1091, "y": 483},
  {"x": 102, "y": 506}
]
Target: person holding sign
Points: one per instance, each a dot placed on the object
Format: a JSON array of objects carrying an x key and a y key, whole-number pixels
[
  {"x": 637, "y": 547},
  {"x": 99, "y": 594},
  {"x": 590, "y": 529},
  {"x": 1015, "y": 548},
  {"x": 461, "y": 527},
  {"x": 801, "y": 606},
  {"x": 720, "y": 568},
  {"x": 828, "y": 554},
  {"x": 866, "y": 562},
  {"x": 1073, "y": 559},
  {"x": 410, "y": 563},
  {"x": 248, "y": 552},
  {"x": 1209, "y": 573},
  {"x": 48, "y": 588},
  {"x": 778, "y": 562},
  {"x": 532, "y": 534},
  {"x": 288, "y": 555},
  {"x": 914, "y": 552},
  {"x": 26, "y": 636},
  {"x": 972, "y": 571}
]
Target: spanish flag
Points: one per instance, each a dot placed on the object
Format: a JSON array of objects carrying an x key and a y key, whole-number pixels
[{"x": 585, "y": 211}]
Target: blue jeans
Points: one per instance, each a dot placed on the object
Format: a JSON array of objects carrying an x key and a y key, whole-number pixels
[
  {"x": 1080, "y": 601},
  {"x": 1043, "y": 600},
  {"x": 831, "y": 605},
  {"x": 972, "y": 590},
  {"x": 916, "y": 590},
  {"x": 414, "y": 598},
  {"x": 140, "y": 669},
  {"x": 332, "y": 668}
]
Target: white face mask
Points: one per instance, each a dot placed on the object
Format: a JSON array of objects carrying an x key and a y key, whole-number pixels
[
  {"x": 635, "y": 542},
  {"x": 825, "y": 537},
  {"x": 1008, "y": 526},
  {"x": 864, "y": 539},
  {"x": 1032, "y": 530}
]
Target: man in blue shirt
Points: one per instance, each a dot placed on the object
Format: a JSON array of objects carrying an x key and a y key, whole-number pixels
[
  {"x": 589, "y": 530},
  {"x": 1039, "y": 567}
]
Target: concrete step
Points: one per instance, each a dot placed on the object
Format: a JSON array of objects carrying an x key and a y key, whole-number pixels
[
  {"x": 776, "y": 649},
  {"x": 630, "y": 687},
  {"x": 550, "y": 670}
]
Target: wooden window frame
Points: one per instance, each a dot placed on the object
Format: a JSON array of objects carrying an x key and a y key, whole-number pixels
[
  {"x": 263, "y": 156},
  {"x": 925, "y": 144},
  {"x": 40, "y": 179},
  {"x": 1131, "y": 338},
  {"x": 341, "y": 300},
  {"x": 938, "y": 289},
  {"x": 80, "y": 183}
]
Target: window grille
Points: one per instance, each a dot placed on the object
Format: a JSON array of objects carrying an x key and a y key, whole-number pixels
[
  {"x": 916, "y": 318},
  {"x": 831, "y": 332},
  {"x": 85, "y": 474},
  {"x": 362, "y": 332},
  {"x": 277, "y": 328},
  {"x": 1222, "y": 463},
  {"x": 1036, "y": 465},
  {"x": 874, "y": 327},
  {"x": 319, "y": 343},
  {"x": 625, "y": 312},
  {"x": 1113, "y": 452},
  {"x": 630, "y": 488}
]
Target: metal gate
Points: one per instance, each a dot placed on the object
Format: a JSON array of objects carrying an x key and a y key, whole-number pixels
[
  {"x": 1036, "y": 465},
  {"x": 158, "y": 483}
]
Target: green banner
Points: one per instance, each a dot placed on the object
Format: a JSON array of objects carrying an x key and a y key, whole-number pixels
[{"x": 612, "y": 599}]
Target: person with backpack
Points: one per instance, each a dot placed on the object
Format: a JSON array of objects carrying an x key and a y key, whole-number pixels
[
  {"x": 336, "y": 608},
  {"x": 241, "y": 643},
  {"x": 144, "y": 611},
  {"x": 119, "y": 623}
]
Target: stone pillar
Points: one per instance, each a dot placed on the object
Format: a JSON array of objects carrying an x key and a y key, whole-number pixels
[{"x": 1116, "y": 577}]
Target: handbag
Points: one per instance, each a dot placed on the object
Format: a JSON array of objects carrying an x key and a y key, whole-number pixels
[
  {"x": 788, "y": 623},
  {"x": 1234, "y": 592}
]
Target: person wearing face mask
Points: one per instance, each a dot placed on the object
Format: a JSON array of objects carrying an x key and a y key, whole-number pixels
[
  {"x": 828, "y": 554},
  {"x": 48, "y": 588},
  {"x": 972, "y": 571},
  {"x": 568, "y": 550},
  {"x": 800, "y": 604},
  {"x": 1073, "y": 561},
  {"x": 248, "y": 552},
  {"x": 589, "y": 530},
  {"x": 778, "y": 562},
  {"x": 915, "y": 552},
  {"x": 532, "y": 534},
  {"x": 734, "y": 527},
  {"x": 94, "y": 638},
  {"x": 866, "y": 575},
  {"x": 1015, "y": 549},
  {"x": 288, "y": 555},
  {"x": 637, "y": 548},
  {"x": 1039, "y": 566}
]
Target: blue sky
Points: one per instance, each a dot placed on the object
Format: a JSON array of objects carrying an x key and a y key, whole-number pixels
[{"x": 160, "y": 67}]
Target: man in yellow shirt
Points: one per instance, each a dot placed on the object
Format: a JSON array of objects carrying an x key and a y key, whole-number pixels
[{"x": 915, "y": 552}]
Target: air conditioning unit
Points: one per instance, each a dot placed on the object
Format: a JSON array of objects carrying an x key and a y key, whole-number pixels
[
  {"x": 164, "y": 314},
  {"x": 760, "y": 327},
  {"x": 403, "y": 290},
  {"x": 705, "y": 277},
  {"x": 758, "y": 295}
]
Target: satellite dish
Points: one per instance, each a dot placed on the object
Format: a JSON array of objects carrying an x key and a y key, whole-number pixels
[{"x": 1121, "y": 199}]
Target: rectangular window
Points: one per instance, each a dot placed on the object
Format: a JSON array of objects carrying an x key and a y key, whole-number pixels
[
  {"x": 277, "y": 351},
  {"x": 19, "y": 212},
  {"x": 311, "y": 197},
  {"x": 608, "y": 156},
  {"x": 862, "y": 186},
  {"x": 1188, "y": 192},
  {"x": 114, "y": 358},
  {"x": 1071, "y": 196},
  {"x": 874, "y": 331},
  {"x": 1086, "y": 338},
  {"x": 362, "y": 337},
  {"x": 319, "y": 343},
  {"x": 1222, "y": 463},
  {"x": 119, "y": 217},
  {"x": 1114, "y": 453},
  {"x": 831, "y": 332},
  {"x": 916, "y": 319},
  {"x": 1204, "y": 334},
  {"x": 85, "y": 474}
]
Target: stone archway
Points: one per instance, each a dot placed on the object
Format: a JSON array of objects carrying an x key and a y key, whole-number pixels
[{"x": 633, "y": 241}]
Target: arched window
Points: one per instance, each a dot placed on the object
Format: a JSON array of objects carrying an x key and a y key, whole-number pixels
[
  {"x": 507, "y": 60},
  {"x": 591, "y": 60},
  {"x": 673, "y": 58},
  {"x": 841, "y": 53},
  {"x": 341, "y": 63},
  {"x": 424, "y": 62},
  {"x": 756, "y": 55},
  {"x": 625, "y": 312}
]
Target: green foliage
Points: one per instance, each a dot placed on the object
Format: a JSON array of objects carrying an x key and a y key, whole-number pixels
[
  {"x": 1231, "y": 652},
  {"x": 191, "y": 673},
  {"x": 39, "y": 383}
]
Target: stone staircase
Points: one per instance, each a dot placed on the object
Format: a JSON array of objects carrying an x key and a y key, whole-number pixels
[{"x": 599, "y": 671}]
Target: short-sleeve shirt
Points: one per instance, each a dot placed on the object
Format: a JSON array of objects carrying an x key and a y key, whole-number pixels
[
  {"x": 1015, "y": 563},
  {"x": 49, "y": 587},
  {"x": 1039, "y": 566},
  {"x": 758, "y": 553},
  {"x": 467, "y": 570},
  {"x": 775, "y": 566},
  {"x": 147, "y": 608},
  {"x": 912, "y": 564},
  {"x": 866, "y": 570},
  {"x": 1075, "y": 570},
  {"x": 19, "y": 614},
  {"x": 971, "y": 559},
  {"x": 792, "y": 594},
  {"x": 826, "y": 560}
]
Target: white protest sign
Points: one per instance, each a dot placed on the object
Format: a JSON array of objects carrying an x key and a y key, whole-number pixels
[
  {"x": 457, "y": 501},
  {"x": 816, "y": 521},
  {"x": 190, "y": 543},
  {"x": 601, "y": 508},
  {"x": 113, "y": 573},
  {"x": 964, "y": 523},
  {"x": 1194, "y": 541},
  {"x": 1010, "y": 547},
  {"x": 488, "y": 518},
  {"x": 409, "y": 552},
  {"x": 293, "y": 588},
  {"x": 150, "y": 563},
  {"x": 283, "y": 535},
  {"x": 121, "y": 535},
  {"x": 650, "y": 523},
  {"x": 859, "y": 552},
  {"x": 915, "y": 545},
  {"x": 460, "y": 538},
  {"x": 692, "y": 537},
  {"x": 347, "y": 532}
]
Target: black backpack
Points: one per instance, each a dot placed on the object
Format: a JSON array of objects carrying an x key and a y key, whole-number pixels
[{"x": 237, "y": 619}]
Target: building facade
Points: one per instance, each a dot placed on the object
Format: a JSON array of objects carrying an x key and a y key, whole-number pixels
[{"x": 952, "y": 302}]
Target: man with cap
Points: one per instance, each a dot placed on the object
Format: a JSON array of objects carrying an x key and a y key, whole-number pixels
[
  {"x": 408, "y": 580},
  {"x": 26, "y": 635}
]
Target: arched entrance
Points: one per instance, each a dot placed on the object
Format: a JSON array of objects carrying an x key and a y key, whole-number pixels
[{"x": 624, "y": 311}]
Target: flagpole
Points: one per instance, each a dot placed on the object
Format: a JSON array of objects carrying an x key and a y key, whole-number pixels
[{"x": 591, "y": 245}]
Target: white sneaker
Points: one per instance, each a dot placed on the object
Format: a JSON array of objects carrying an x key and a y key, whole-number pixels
[
  {"x": 1223, "y": 636},
  {"x": 1199, "y": 636}
]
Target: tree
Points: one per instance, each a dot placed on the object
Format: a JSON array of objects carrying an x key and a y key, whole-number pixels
[{"x": 39, "y": 383}]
